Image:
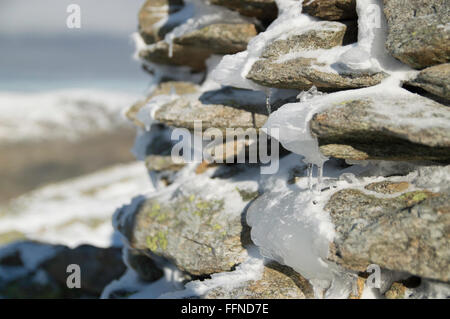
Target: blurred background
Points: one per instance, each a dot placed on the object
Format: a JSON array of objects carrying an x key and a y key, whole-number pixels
[
  {"x": 65, "y": 146},
  {"x": 62, "y": 91}
]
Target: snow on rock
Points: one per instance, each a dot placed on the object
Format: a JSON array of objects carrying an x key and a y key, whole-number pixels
[
  {"x": 251, "y": 269},
  {"x": 290, "y": 220},
  {"x": 386, "y": 221},
  {"x": 233, "y": 69},
  {"x": 290, "y": 226},
  {"x": 293, "y": 120},
  {"x": 171, "y": 286},
  {"x": 157, "y": 18},
  {"x": 164, "y": 221},
  {"x": 298, "y": 217},
  {"x": 384, "y": 124},
  {"x": 31, "y": 256},
  {"x": 191, "y": 35},
  {"x": 145, "y": 113},
  {"x": 133, "y": 287},
  {"x": 368, "y": 56}
]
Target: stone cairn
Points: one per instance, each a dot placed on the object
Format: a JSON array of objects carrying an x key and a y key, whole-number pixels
[{"x": 394, "y": 212}]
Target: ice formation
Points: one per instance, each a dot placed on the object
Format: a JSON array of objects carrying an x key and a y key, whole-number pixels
[
  {"x": 293, "y": 119},
  {"x": 369, "y": 55},
  {"x": 233, "y": 69},
  {"x": 289, "y": 223},
  {"x": 291, "y": 227}
]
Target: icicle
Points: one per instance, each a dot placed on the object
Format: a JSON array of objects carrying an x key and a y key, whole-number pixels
[
  {"x": 173, "y": 91},
  {"x": 319, "y": 178},
  {"x": 355, "y": 291},
  {"x": 310, "y": 170},
  {"x": 170, "y": 38},
  {"x": 268, "y": 98},
  {"x": 310, "y": 175}
]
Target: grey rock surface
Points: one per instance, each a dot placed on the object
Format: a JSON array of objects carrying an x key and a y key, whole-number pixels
[
  {"x": 99, "y": 266},
  {"x": 331, "y": 9},
  {"x": 359, "y": 129},
  {"x": 42, "y": 270},
  {"x": 302, "y": 73},
  {"x": 220, "y": 38},
  {"x": 164, "y": 88},
  {"x": 418, "y": 31},
  {"x": 211, "y": 116},
  {"x": 435, "y": 80},
  {"x": 277, "y": 282},
  {"x": 198, "y": 225},
  {"x": 248, "y": 100},
  {"x": 406, "y": 233},
  {"x": 144, "y": 266},
  {"x": 265, "y": 10}
]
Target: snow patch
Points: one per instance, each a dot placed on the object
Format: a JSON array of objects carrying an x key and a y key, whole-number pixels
[
  {"x": 233, "y": 69},
  {"x": 68, "y": 114},
  {"x": 77, "y": 211}
]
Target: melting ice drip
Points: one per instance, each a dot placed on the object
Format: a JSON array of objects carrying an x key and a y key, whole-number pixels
[
  {"x": 293, "y": 120},
  {"x": 268, "y": 98},
  {"x": 291, "y": 225},
  {"x": 310, "y": 171},
  {"x": 170, "y": 41}
]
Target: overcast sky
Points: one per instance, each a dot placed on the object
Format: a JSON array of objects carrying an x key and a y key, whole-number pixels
[{"x": 49, "y": 16}]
